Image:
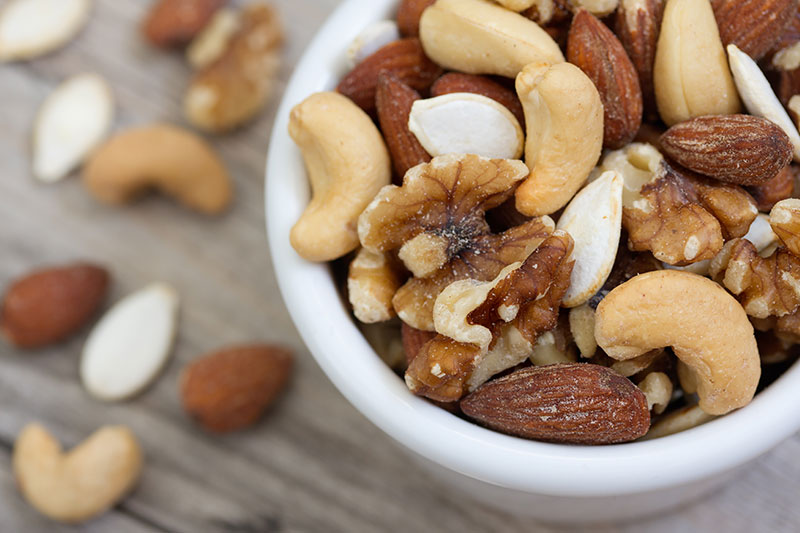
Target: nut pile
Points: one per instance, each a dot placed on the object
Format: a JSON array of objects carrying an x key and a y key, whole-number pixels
[{"x": 567, "y": 220}]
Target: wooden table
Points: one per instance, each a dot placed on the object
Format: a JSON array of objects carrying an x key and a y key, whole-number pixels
[{"x": 315, "y": 464}]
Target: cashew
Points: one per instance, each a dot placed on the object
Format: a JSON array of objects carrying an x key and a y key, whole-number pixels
[
  {"x": 347, "y": 164},
  {"x": 76, "y": 486},
  {"x": 480, "y": 37},
  {"x": 706, "y": 327},
  {"x": 174, "y": 161},
  {"x": 657, "y": 388},
  {"x": 564, "y": 118},
  {"x": 687, "y": 378},
  {"x": 690, "y": 72},
  {"x": 370, "y": 40}
]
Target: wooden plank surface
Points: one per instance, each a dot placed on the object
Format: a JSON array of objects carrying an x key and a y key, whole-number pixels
[{"x": 315, "y": 464}]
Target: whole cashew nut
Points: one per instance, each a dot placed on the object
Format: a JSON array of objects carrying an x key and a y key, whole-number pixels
[
  {"x": 705, "y": 326},
  {"x": 564, "y": 118},
  {"x": 76, "y": 486},
  {"x": 175, "y": 161},
  {"x": 347, "y": 163}
]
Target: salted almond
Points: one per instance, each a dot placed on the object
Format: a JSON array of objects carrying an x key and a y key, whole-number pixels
[
  {"x": 408, "y": 15},
  {"x": 30, "y": 28},
  {"x": 773, "y": 191},
  {"x": 466, "y": 123},
  {"x": 592, "y": 47},
  {"x": 690, "y": 73},
  {"x": 758, "y": 96},
  {"x": 393, "y": 101},
  {"x": 637, "y": 26},
  {"x": 131, "y": 343},
  {"x": 370, "y": 40},
  {"x": 739, "y": 149},
  {"x": 755, "y": 26},
  {"x": 71, "y": 122},
  {"x": 594, "y": 220}
]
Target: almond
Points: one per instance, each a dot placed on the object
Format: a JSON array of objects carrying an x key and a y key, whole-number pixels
[
  {"x": 788, "y": 85},
  {"x": 638, "y": 26},
  {"x": 774, "y": 190},
  {"x": 754, "y": 26},
  {"x": 456, "y": 82},
  {"x": 404, "y": 58},
  {"x": 393, "y": 101},
  {"x": 413, "y": 340},
  {"x": 566, "y": 403},
  {"x": 408, "y": 15},
  {"x": 740, "y": 149},
  {"x": 49, "y": 305},
  {"x": 176, "y": 22},
  {"x": 592, "y": 47},
  {"x": 230, "y": 388},
  {"x": 786, "y": 52}
]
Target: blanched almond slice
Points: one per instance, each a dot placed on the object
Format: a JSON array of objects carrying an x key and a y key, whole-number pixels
[
  {"x": 594, "y": 220},
  {"x": 370, "y": 40},
  {"x": 466, "y": 123},
  {"x": 129, "y": 346},
  {"x": 29, "y": 28},
  {"x": 71, "y": 122},
  {"x": 758, "y": 96}
]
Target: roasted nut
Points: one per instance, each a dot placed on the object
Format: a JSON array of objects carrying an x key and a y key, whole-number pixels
[
  {"x": 545, "y": 12},
  {"x": 599, "y": 8},
  {"x": 681, "y": 217},
  {"x": 627, "y": 265},
  {"x": 49, "y": 305},
  {"x": 404, "y": 58},
  {"x": 687, "y": 378},
  {"x": 436, "y": 222},
  {"x": 234, "y": 88},
  {"x": 762, "y": 236},
  {"x": 785, "y": 221},
  {"x": 754, "y": 26},
  {"x": 466, "y": 123},
  {"x": 765, "y": 286},
  {"x": 373, "y": 279},
  {"x": 213, "y": 40},
  {"x": 413, "y": 340},
  {"x": 172, "y": 160},
  {"x": 593, "y": 218},
  {"x": 78, "y": 485},
  {"x": 739, "y": 149},
  {"x": 569, "y": 403},
  {"x": 30, "y": 29},
  {"x": 487, "y": 327},
  {"x": 393, "y": 101},
  {"x": 408, "y": 15},
  {"x": 564, "y": 117},
  {"x": 773, "y": 191},
  {"x": 786, "y": 52},
  {"x": 581, "y": 326},
  {"x": 370, "y": 40},
  {"x": 638, "y": 26},
  {"x": 347, "y": 165},
  {"x": 677, "y": 421},
  {"x": 758, "y": 96},
  {"x": 705, "y": 326},
  {"x": 690, "y": 73},
  {"x": 640, "y": 363},
  {"x": 457, "y": 82},
  {"x": 516, "y": 5},
  {"x": 657, "y": 388},
  {"x": 554, "y": 346},
  {"x": 596, "y": 50},
  {"x": 480, "y": 37},
  {"x": 787, "y": 330},
  {"x": 176, "y": 22}
]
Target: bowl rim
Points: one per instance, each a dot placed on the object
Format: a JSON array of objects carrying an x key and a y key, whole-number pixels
[{"x": 325, "y": 324}]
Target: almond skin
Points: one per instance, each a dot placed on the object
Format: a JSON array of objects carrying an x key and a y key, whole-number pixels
[
  {"x": 49, "y": 305},
  {"x": 393, "y": 101},
  {"x": 404, "y": 58},
  {"x": 592, "y": 47},
  {"x": 637, "y": 26},
  {"x": 175, "y": 22},
  {"x": 755, "y": 26},
  {"x": 573, "y": 403},
  {"x": 773, "y": 191},
  {"x": 408, "y": 15},
  {"x": 229, "y": 389},
  {"x": 739, "y": 149},
  {"x": 457, "y": 82}
]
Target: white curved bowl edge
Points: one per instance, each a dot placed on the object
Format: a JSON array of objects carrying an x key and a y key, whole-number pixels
[{"x": 466, "y": 449}]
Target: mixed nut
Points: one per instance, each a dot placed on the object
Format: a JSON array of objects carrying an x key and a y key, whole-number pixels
[{"x": 576, "y": 215}]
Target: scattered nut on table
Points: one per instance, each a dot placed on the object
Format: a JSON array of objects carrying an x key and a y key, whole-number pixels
[{"x": 30, "y": 28}]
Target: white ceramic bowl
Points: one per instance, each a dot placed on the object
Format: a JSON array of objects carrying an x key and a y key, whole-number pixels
[{"x": 552, "y": 482}]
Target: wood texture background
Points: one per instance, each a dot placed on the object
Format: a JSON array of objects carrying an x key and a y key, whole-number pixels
[{"x": 315, "y": 464}]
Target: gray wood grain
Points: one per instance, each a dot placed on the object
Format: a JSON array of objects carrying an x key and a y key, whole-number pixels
[{"x": 315, "y": 464}]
